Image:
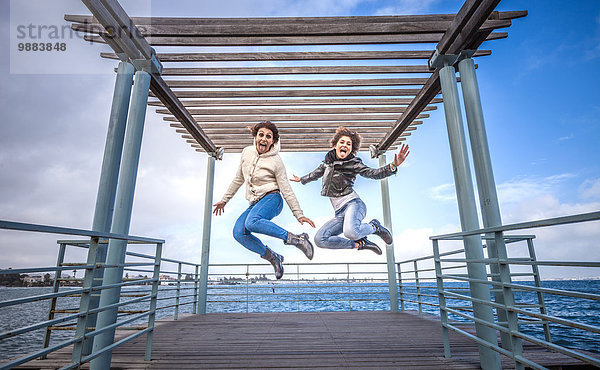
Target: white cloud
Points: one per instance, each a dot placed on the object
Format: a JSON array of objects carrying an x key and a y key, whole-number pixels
[
  {"x": 568, "y": 137},
  {"x": 590, "y": 189},
  {"x": 444, "y": 193},
  {"x": 520, "y": 188}
]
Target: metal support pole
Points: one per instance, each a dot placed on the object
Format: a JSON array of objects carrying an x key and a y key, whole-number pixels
[
  {"x": 195, "y": 289},
  {"x": 55, "y": 287},
  {"x": 178, "y": 292},
  {"x": 107, "y": 188},
  {"x": 122, "y": 217},
  {"x": 468, "y": 215},
  {"x": 484, "y": 174},
  {"x": 538, "y": 283},
  {"x": 441, "y": 298},
  {"x": 389, "y": 249},
  {"x": 153, "y": 299},
  {"x": 210, "y": 180}
]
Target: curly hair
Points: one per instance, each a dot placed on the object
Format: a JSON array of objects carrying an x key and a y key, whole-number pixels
[
  {"x": 354, "y": 136},
  {"x": 268, "y": 125}
]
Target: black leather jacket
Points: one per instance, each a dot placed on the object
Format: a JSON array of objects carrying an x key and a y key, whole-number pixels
[{"x": 339, "y": 176}]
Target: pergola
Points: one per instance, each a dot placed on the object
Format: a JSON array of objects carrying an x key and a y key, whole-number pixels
[
  {"x": 385, "y": 101},
  {"x": 291, "y": 85}
]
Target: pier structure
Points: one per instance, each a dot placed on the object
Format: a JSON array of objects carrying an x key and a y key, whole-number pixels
[
  {"x": 213, "y": 115},
  {"x": 459, "y": 36}
]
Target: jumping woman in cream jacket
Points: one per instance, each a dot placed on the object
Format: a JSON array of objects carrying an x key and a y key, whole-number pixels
[{"x": 263, "y": 172}]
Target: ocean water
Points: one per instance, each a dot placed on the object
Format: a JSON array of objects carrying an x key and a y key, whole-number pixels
[{"x": 306, "y": 296}]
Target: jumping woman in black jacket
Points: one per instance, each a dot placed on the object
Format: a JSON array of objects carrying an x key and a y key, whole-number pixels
[{"x": 339, "y": 170}]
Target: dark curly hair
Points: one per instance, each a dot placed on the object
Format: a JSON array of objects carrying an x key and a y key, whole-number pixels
[
  {"x": 268, "y": 125},
  {"x": 354, "y": 136}
]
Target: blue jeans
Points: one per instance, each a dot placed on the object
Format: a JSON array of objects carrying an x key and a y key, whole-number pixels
[
  {"x": 257, "y": 219},
  {"x": 347, "y": 220}
]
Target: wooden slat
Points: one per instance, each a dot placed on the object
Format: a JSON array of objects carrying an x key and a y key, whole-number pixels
[
  {"x": 292, "y": 102},
  {"x": 275, "y": 111},
  {"x": 317, "y": 118},
  {"x": 354, "y": 27},
  {"x": 294, "y": 93},
  {"x": 200, "y": 40},
  {"x": 314, "y": 55},
  {"x": 295, "y": 83},
  {"x": 296, "y": 125},
  {"x": 243, "y": 71}
]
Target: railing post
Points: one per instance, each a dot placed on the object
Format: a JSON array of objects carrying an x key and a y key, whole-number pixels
[
  {"x": 489, "y": 359},
  {"x": 538, "y": 283},
  {"x": 195, "y": 305},
  {"x": 178, "y": 292},
  {"x": 441, "y": 297},
  {"x": 348, "y": 281},
  {"x": 389, "y": 249},
  {"x": 298, "y": 287},
  {"x": 509, "y": 301},
  {"x": 210, "y": 179},
  {"x": 484, "y": 174},
  {"x": 247, "y": 288},
  {"x": 401, "y": 288},
  {"x": 153, "y": 299},
  {"x": 84, "y": 304},
  {"x": 59, "y": 261},
  {"x": 122, "y": 216},
  {"x": 418, "y": 287},
  {"x": 107, "y": 187}
]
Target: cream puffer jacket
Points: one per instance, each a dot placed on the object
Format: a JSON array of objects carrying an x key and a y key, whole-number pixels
[{"x": 263, "y": 173}]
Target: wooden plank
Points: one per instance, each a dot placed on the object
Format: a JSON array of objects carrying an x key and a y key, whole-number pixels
[
  {"x": 295, "y": 83},
  {"x": 314, "y": 55},
  {"x": 330, "y": 123},
  {"x": 294, "y": 93},
  {"x": 199, "y": 40},
  {"x": 293, "y": 102},
  {"x": 275, "y": 118},
  {"x": 275, "y": 111},
  {"x": 243, "y": 71},
  {"x": 354, "y": 27}
]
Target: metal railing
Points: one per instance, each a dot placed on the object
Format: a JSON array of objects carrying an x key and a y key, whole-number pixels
[
  {"x": 335, "y": 286},
  {"x": 521, "y": 303},
  {"x": 75, "y": 314}
]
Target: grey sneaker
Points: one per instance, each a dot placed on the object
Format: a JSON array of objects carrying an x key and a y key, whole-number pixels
[
  {"x": 276, "y": 260},
  {"x": 382, "y": 232},
  {"x": 301, "y": 242},
  {"x": 364, "y": 243}
]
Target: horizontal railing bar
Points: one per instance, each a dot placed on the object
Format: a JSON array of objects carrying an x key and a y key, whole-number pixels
[
  {"x": 40, "y": 353},
  {"x": 25, "y": 329},
  {"x": 557, "y": 348},
  {"x": 20, "y": 226},
  {"x": 114, "y": 345},
  {"x": 530, "y": 288},
  {"x": 40, "y": 297},
  {"x": 584, "y": 217}
]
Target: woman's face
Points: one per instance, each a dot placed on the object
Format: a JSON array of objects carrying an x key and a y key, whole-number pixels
[
  {"x": 343, "y": 147},
  {"x": 264, "y": 140}
]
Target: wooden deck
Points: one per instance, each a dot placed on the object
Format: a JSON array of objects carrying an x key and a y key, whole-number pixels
[{"x": 303, "y": 340}]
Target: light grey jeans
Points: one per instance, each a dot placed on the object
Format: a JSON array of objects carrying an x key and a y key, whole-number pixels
[{"x": 347, "y": 220}]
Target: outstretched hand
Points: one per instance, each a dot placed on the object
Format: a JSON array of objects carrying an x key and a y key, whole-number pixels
[
  {"x": 219, "y": 208},
  {"x": 295, "y": 179},
  {"x": 401, "y": 155},
  {"x": 302, "y": 220}
]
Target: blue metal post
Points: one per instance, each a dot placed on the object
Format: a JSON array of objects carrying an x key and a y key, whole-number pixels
[
  {"x": 210, "y": 179},
  {"x": 441, "y": 297},
  {"x": 122, "y": 216},
  {"x": 484, "y": 174},
  {"x": 153, "y": 299},
  {"x": 389, "y": 249},
  {"x": 107, "y": 189},
  {"x": 468, "y": 215}
]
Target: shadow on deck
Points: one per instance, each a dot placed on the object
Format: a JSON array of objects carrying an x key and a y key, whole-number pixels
[{"x": 373, "y": 339}]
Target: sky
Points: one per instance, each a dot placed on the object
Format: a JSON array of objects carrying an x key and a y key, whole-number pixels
[{"x": 539, "y": 91}]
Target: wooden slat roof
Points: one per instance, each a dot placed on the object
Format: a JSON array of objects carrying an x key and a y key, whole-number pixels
[{"x": 287, "y": 70}]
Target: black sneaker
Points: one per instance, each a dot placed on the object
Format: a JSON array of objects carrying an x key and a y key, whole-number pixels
[
  {"x": 382, "y": 232},
  {"x": 364, "y": 243}
]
